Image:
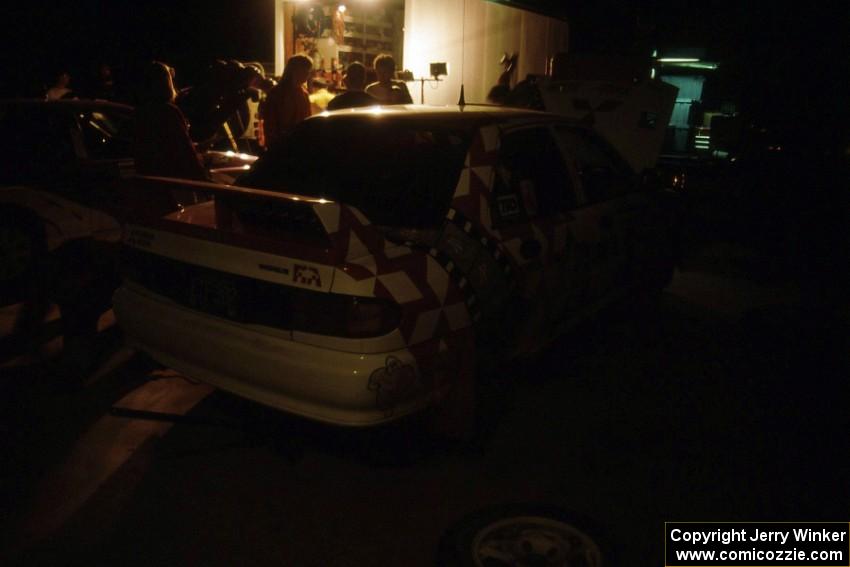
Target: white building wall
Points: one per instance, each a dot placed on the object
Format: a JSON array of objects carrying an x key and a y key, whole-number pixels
[
  {"x": 434, "y": 31},
  {"x": 279, "y": 55}
]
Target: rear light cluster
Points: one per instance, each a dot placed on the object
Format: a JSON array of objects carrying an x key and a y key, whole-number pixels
[
  {"x": 258, "y": 302},
  {"x": 343, "y": 315}
]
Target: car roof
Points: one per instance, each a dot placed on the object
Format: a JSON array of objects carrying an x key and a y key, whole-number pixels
[
  {"x": 70, "y": 104},
  {"x": 473, "y": 114}
]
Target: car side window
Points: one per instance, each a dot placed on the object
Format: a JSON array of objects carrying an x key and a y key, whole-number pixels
[
  {"x": 531, "y": 178},
  {"x": 603, "y": 176}
]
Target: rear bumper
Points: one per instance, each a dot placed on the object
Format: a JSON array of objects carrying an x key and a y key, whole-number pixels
[{"x": 266, "y": 366}]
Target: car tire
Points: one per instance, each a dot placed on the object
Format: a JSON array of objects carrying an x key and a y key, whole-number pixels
[
  {"x": 524, "y": 534},
  {"x": 22, "y": 249}
]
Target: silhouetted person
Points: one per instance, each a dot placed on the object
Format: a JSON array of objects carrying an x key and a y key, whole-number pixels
[
  {"x": 354, "y": 96},
  {"x": 501, "y": 91},
  {"x": 103, "y": 86},
  {"x": 162, "y": 144},
  {"x": 388, "y": 90},
  {"x": 61, "y": 86},
  {"x": 220, "y": 96},
  {"x": 288, "y": 103}
]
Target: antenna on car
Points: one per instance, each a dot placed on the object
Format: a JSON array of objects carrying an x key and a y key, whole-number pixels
[{"x": 462, "y": 101}]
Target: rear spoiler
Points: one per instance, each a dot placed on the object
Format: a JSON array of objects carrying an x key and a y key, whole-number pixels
[
  {"x": 254, "y": 218},
  {"x": 150, "y": 196}
]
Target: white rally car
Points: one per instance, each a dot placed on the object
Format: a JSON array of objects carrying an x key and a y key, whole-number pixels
[{"x": 366, "y": 266}]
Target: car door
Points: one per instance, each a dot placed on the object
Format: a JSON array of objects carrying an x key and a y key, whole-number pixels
[
  {"x": 608, "y": 219},
  {"x": 532, "y": 199}
]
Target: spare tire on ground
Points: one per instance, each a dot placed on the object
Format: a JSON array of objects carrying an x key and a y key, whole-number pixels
[{"x": 524, "y": 534}]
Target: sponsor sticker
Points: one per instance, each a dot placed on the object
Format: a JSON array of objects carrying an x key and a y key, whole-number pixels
[
  {"x": 508, "y": 205},
  {"x": 306, "y": 275}
]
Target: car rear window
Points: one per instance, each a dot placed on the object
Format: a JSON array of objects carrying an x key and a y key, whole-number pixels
[{"x": 397, "y": 174}]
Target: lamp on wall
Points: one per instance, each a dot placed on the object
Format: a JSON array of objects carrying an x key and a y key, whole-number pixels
[{"x": 439, "y": 70}]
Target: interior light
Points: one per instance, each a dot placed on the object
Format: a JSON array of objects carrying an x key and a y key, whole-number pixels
[
  {"x": 341, "y": 9},
  {"x": 679, "y": 60}
]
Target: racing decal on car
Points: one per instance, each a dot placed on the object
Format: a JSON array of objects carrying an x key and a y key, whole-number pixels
[
  {"x": 393, "y": 383},
  {"x": 448, "y": 265},
  {"x": 508, "y": 206},
  {"x": 492, "y": 246},
  {"x": 349, "y": 230},
  {"x": 432, "y": 303},
  {"x": 434, "y": 300},
  {"x": 431, "y": 300},
  {"x": 480, "y": 267},
  {"x": 306, "y": 275},
  {"x": 472, "y": 191}
]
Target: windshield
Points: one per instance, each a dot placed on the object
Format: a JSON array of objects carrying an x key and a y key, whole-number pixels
[{"x": 400, "y": 175}]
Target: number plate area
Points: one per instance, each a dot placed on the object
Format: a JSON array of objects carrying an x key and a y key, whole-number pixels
[{"x": 215, "y": 295}]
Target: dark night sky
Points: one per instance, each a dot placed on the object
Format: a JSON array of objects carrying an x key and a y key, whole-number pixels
[{"x": 188, "y": 34}]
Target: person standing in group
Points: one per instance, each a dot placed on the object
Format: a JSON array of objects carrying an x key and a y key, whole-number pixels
[
  {"x": 60, "y": 87},
  {"x": 354, "y": 96},
  {"x": 288, "y": 103},
  {"x": 103, "y": 86},
  {"x": 162, "y": 144},
  {"x": 388, "y": 90}
]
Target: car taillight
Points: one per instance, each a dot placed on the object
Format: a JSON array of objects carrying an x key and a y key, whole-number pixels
[
  {"x": 369, "y": 317},
  {"x": 344, "y": 315}
]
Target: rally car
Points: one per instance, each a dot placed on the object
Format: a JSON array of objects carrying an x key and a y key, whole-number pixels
[{"x": 368, "y": 263}]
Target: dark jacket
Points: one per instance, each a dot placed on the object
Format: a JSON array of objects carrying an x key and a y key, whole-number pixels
[{"x": 162, "y": 144}]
